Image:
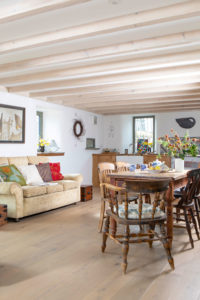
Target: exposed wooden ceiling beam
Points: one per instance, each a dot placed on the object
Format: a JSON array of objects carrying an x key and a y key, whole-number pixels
[
  {"x": 32, "y": 7},
  {"x": 127, "y": 96},
  {"x": 136, "y": 20},
  {"x": 134, "y": 109},
  {"x": 120, "y": 67},
  {"x": 147, "y": 111},
  {"x": 126, "y": 100},
  {"x": 73, "y": 94},
  {"x": 137, "y": 104},
  {"x": 130, "y": 81},
  {"x": 132, "y": 48}
]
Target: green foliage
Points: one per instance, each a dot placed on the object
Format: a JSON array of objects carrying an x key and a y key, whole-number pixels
[{"x": 177, "y": 147}]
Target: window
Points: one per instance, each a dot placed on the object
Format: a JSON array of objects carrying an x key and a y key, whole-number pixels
[
  {"x": 143, "y": 131},
  {"x": 39, "y": 117}
]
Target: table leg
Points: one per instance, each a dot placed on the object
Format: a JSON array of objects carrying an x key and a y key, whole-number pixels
[{"x": 169, "y": 199}]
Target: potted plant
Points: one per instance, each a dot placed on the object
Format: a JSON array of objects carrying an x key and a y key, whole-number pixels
[
  {"x": 179, "y": 148},
  {"x": 41, "y": 144}
]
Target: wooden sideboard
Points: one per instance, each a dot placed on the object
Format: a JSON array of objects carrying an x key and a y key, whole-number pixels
[
  {"x": 98, "y": 158},
  {"x": 111, "y": 157}
]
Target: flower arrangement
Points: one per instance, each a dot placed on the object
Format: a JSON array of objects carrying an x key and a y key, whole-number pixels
[
  {"x": 178, "y": 147},
  {"x": 42, "y": 143}
]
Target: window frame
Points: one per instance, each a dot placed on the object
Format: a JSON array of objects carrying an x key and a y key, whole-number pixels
[
  {"x": 40, "y": 115},
  {"x": 154, "y": 131}
]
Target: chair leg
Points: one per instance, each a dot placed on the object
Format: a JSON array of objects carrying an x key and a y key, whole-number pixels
[
  {"x": 196, "y": 202},
  {"x": 101, "y": 216},
  {"x": 177, "y": 214},
  {"x": 151, "y": 236},
  {"x": 105, "y": 233},
  {"x": 125, "y": 248},
  {"x": 194, "y": 222},
  {"x": 166, "y": 246},
  {"x": 188, "y": 228}
]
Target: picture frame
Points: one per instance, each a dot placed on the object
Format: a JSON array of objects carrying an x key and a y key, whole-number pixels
[
  {"x": 12, "y": 124},
  {"x": 90, "y": 143}
]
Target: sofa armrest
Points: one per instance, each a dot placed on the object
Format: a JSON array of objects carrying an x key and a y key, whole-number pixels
[
  {"x": 75, "y": 177},
  {"x": 15, "y": 190}
]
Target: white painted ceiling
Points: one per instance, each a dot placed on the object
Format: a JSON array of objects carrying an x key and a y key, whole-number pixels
[{"x": 93, "y": 11}]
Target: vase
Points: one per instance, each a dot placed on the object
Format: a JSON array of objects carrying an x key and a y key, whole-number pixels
[
  {"x": 42, "y": 148},
  {"x": 179, "y": 165}
]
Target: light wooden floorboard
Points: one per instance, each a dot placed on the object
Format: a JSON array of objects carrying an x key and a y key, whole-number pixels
[{"x": 56, "y": 256}]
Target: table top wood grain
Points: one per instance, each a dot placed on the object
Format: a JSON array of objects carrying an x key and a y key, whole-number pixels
[{"x": 146, "y": 174}]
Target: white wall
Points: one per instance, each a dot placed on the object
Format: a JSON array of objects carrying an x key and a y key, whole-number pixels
[
  {"x": 118, "y": 131},
  {"x": 29, "y": 147},
  {"x": 58, "y": 124}
]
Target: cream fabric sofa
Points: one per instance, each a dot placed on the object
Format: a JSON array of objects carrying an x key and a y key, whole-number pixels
[{"x": 28, "y": 200}]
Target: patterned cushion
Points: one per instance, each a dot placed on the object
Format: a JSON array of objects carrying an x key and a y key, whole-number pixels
[
  {"x": 133, "y": 212},
  {"x": 12, "y": 174},
  {"x": 3, "y": 177}
]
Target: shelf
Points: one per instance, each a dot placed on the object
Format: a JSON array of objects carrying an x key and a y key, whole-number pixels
[
  {"x": 50, "y": 153},
  {"x": 92, "y": 148}
]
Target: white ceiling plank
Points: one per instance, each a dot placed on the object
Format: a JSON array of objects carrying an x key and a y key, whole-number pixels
[
  {"x": 119, "y": 67},
  {"x": 177, "y": 40},
  {"x": 28, "y": 8},
  {"x": 136, "y": 20}
]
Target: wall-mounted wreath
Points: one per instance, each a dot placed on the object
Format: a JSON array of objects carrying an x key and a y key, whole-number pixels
[{"x": 78, "y": 128}]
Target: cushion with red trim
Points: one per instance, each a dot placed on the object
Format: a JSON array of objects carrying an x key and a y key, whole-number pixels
[{"x": 55, "y": 171}]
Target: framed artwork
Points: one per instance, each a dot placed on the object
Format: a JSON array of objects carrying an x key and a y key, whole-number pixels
[
  {"x": 12, "y": 124},
  {"x": 90, "y": 143}
]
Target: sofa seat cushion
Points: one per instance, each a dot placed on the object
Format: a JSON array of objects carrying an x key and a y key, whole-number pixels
[
  {"x": 54, "y": 188},
  {"x": 32, "y": 191},
  {"x": 68, "y": 184}
]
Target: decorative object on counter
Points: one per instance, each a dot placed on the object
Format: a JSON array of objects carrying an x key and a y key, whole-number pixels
[
  {"x": 110, "y": 150},
  {"x": 158, "y": 166},
  {"x": 78, "y": 128},
  {"x": 52, "y": 147},
  {"x": 179, "y": 148},
  {"x": 143, "y": 146},
  {"x": 186, "y": 122},
  {"x": 12, "y": 124},
  {"x": 125, "y": 151},
  {"x": 41, "y": 144},
  {"x": 132, "y": 168}
]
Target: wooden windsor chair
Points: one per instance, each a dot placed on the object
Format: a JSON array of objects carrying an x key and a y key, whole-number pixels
[
  {"x": 146, "y": 216},
  {"x": 187, "y": 204},
  {"x": 104, "y": 169},
  {"x": 122, "y": 166}
]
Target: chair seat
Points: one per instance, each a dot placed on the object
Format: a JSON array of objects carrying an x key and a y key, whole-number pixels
[{"x": 133, "y": 212}]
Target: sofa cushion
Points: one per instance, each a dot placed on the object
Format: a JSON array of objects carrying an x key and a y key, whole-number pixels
[
  {"x": 12, "y": 174},
  {"x": 30, "y": 174},
  {"x": 35, "y": 160},
  {"x": 54, "y": 188},
  {"x": 55, "y": 171},
  {"x": 18, "y": 160},
  {"x": 45, "y": 172},
  {"x": 31, "y": 191},
  {"x": 69, "y": 184}
]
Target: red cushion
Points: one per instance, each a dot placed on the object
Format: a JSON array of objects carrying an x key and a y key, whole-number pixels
[{"x": 55, "y": 171}]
